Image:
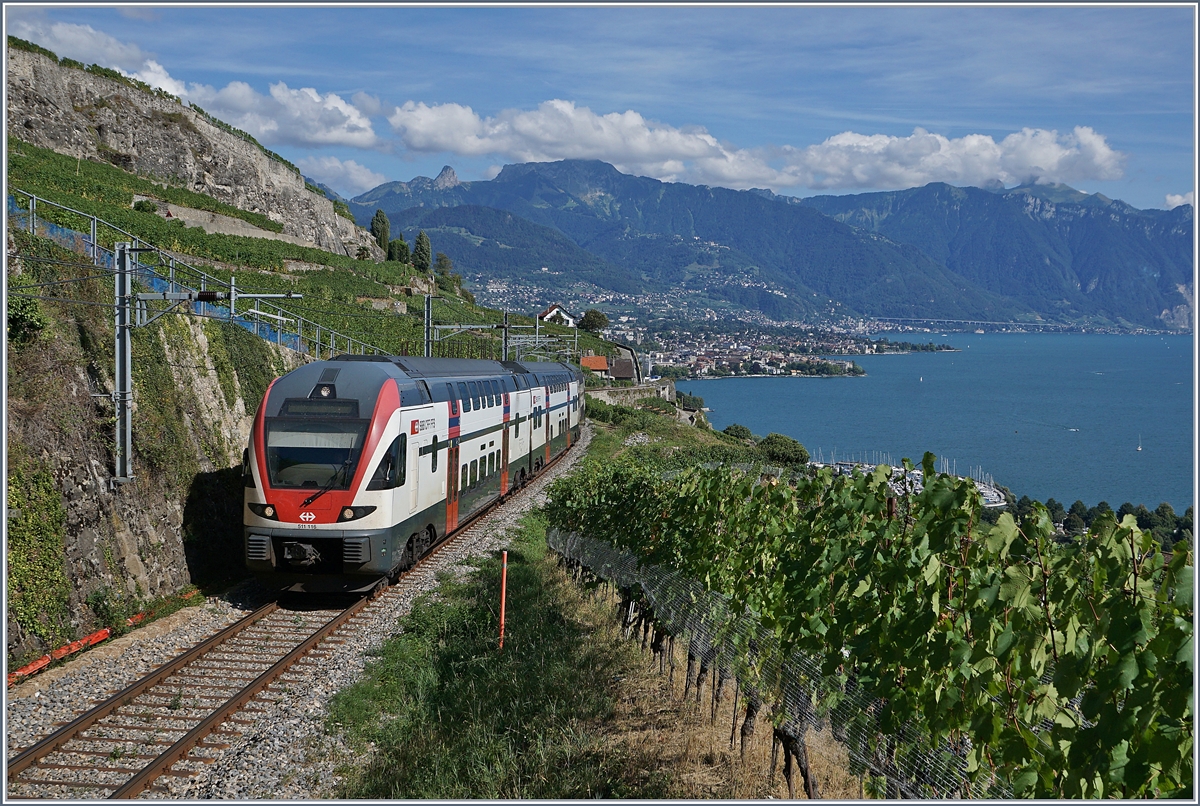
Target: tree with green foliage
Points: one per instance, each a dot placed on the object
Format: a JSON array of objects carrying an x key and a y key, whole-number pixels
[
  {"x": 362, "y": 254},
  {"x": 783, "y": 450},
  {"x": 668, "y": 371},
  {"x": 422, "y": 254},
  {"x": 397, "y": 250},
  {"x": 443, "y": 265},
  {"x": 593, "y": 321},
  {"x": 738, "y": 431},
  {"x": 381, "y": 228}
]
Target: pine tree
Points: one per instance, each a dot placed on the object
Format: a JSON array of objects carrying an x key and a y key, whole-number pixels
[
  {"x": 398, "y": 250},
  {"x": 381, "y": 228},
  {"x": 422, "y": 255}
]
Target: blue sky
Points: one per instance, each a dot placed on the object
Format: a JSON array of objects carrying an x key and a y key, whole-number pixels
[{"x": 801, "y": 99}]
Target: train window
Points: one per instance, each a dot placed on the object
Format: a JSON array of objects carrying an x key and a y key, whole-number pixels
[
  {"x": 453, "y": 400},
  {"x": 464, "y": 396},
  {"x": 474, "y": 471},
  {"x": 390, "y": 471},
  {"x": 495, "y": 387},
  {"x": 517, "y": 426},
  {"x": 491, "y": 463},
  {"x": 433, "y": 450},
  {"x": 425, "y": 391},
  {"x": 463, "y": 485},
  {"x": 474, "y": 393}
]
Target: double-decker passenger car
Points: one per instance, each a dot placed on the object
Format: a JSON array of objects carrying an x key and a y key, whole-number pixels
[{"x": 358, "y": 465}]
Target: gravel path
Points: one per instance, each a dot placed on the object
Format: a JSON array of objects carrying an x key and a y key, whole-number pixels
[{"x": 285, "y": 754}]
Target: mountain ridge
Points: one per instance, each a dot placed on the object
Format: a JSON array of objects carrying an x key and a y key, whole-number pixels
[{"x": 1031, "y": 253}]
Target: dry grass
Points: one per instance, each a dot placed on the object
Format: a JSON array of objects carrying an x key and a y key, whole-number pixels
[{"x": 681, "y": 740}]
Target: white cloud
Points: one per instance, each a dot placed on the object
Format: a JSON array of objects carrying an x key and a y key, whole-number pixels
[
  {"x": 302, "y": 117},
  {"x": 156, "y": 75},
  {"x": 1175, "y": 199},
  {"x": 851, "y": 160},
  {"x": 558, "y": 129},
  {"x": 346, "y": 176},
  {"x": 80, "y": 42}
]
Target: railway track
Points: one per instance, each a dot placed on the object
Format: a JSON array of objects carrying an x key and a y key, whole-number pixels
[{"x": 180, "y": 717}]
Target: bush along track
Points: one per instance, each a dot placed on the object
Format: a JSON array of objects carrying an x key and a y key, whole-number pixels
[{"x": 1057, "y": 669}]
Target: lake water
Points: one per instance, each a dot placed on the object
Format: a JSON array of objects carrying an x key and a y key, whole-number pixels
[{"x": 1047, "y": 415}]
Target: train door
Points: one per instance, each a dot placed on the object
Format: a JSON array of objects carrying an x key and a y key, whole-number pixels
[
  {"x": 548, "y": 417},
  {"x": 568, "y": 423},
  {"x": 414, "y": 481},
  {"x": 504, "y": 461},
  {"x": 452, "y": 490}
]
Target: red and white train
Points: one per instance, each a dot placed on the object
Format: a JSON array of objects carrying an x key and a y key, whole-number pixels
[{"x": 358, "y": 465}]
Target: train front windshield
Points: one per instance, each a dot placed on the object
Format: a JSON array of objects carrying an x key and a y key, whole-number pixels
[{"x": 311, "y": 454}]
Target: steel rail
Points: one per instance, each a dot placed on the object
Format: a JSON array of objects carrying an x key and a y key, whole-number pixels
[
  {"x": 180, "y": 750},
  {"x": 46, "y": 746}
]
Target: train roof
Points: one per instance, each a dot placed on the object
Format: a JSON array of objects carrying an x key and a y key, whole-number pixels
[
  {"x": 360, "y": 377},
  {"x": 421, "y": 367}
]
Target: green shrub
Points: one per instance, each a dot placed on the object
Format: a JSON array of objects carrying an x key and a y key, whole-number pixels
[
  {"x": 21, "y": 44},
  {"x": 145, "y": 206},
  {"x": 738, "y": 431},
  {"x": 783, "y": 450},
  {"x": 38, "y": 590},
  {"x": 25, "y": 320}
]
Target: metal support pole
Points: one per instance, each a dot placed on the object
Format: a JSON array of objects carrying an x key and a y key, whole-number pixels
[
  {"x": 32, "y": 214},
  {"x": 428, "y": 326},
  {"x": 123, "y": 376},
  {"x": 232, "y": 297},
  {"x": 95, "y": 245},
  {"x": 506, "y": 335}
]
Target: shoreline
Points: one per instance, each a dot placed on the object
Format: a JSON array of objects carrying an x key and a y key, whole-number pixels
[{"x": 727, "y": 377}]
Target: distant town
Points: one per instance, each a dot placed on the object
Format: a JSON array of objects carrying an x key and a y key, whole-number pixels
[{"x": 684, "y": 351}]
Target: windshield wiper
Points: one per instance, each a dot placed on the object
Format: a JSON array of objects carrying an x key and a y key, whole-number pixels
[{"x": 332, "y": 483}]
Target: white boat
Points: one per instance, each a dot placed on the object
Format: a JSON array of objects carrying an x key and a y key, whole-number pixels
[{"x": 1139, "y": 442}]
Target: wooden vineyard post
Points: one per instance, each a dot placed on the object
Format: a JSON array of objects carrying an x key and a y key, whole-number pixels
[{"x": 503, "y": 590}]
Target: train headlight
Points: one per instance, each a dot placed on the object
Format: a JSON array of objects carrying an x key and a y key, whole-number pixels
[
  {"x": 354, "y": 513},
  {"x": 264, "y": 511}
]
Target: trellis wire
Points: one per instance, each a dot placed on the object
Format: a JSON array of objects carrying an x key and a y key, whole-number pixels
[{"x": 739, "y": 644}]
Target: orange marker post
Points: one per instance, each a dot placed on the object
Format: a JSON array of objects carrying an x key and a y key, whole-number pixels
[{"x": 503, "y": 589}]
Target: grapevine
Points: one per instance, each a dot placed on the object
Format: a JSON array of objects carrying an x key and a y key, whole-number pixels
[{"x": 1060, "y": 668}]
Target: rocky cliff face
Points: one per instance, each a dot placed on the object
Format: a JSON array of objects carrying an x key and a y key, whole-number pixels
[
  {"x": 99, "y": 546},
  {"x": 75, "y": 112}
]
